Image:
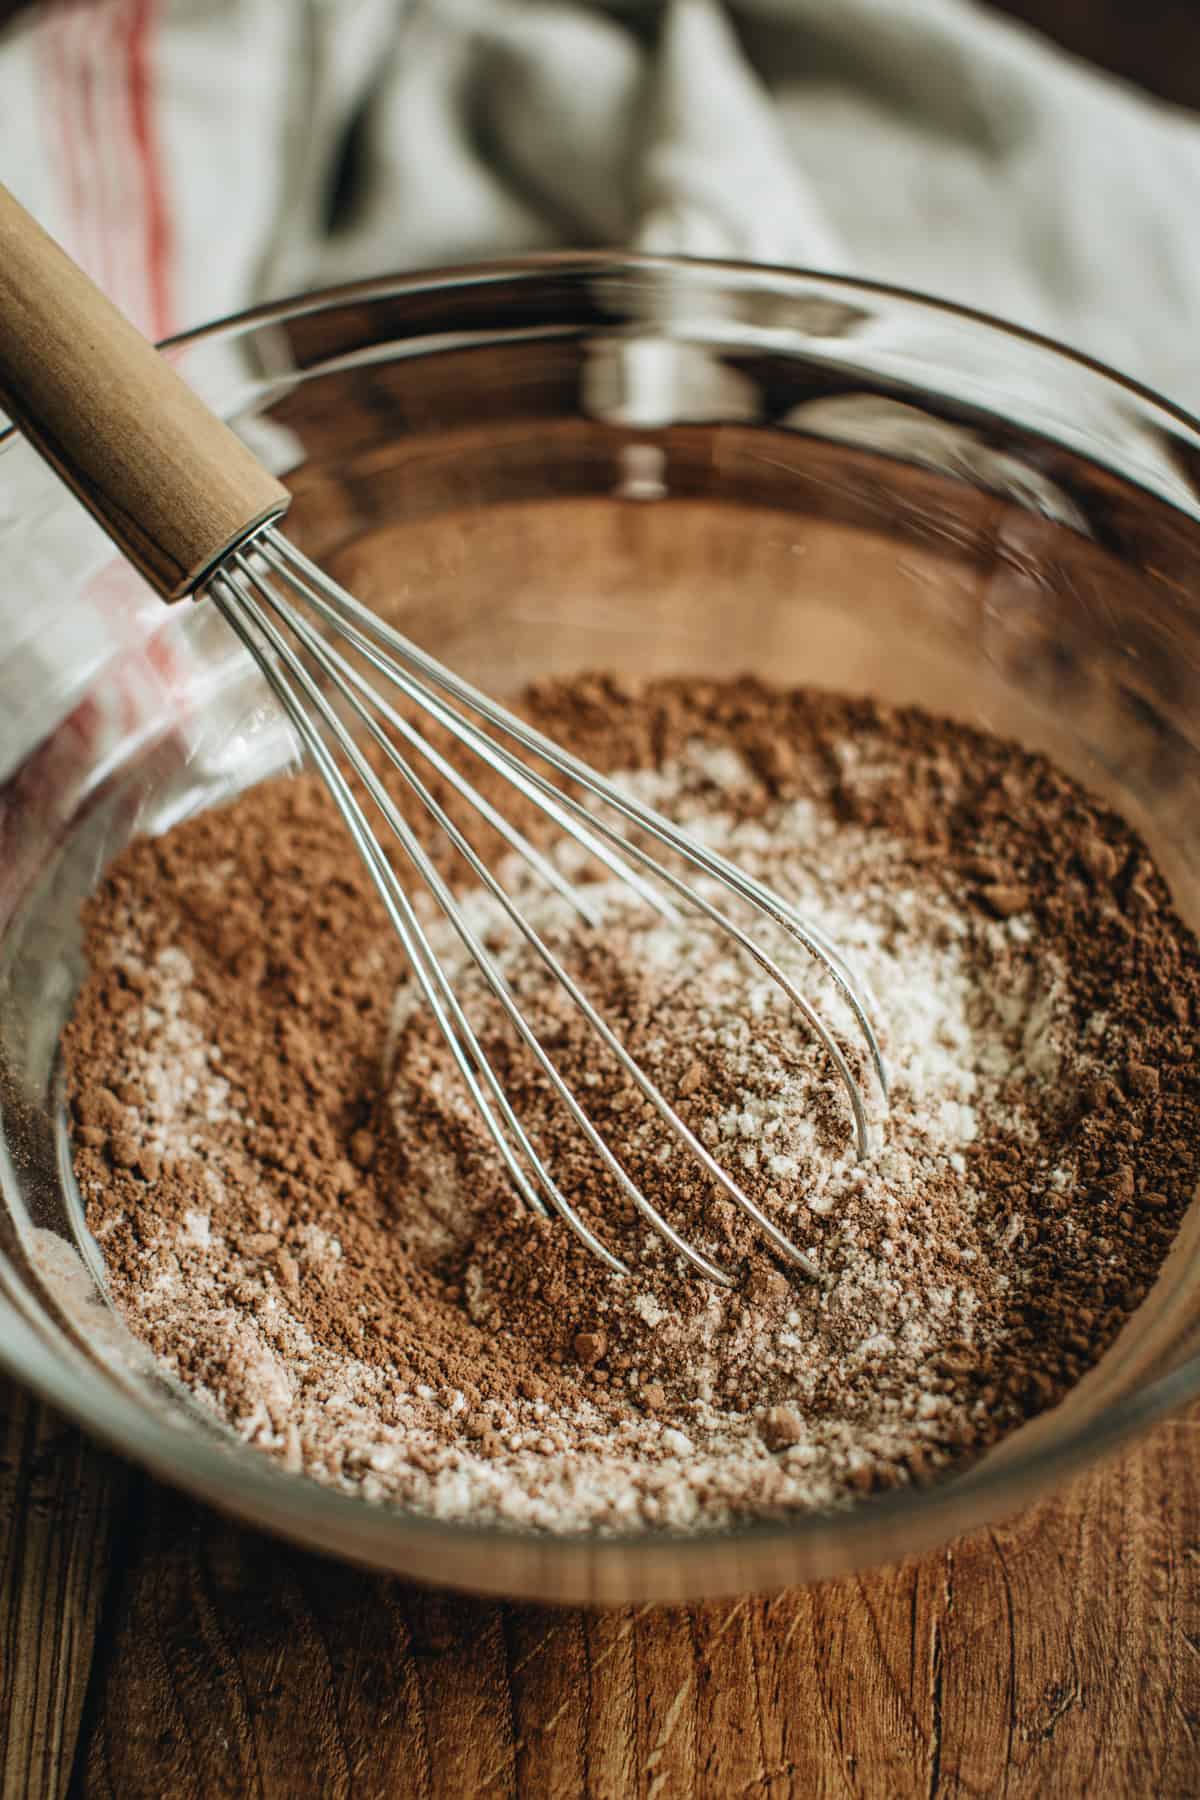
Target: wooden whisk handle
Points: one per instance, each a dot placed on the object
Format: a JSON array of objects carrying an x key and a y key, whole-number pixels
[{"x": 169, "y": 481}]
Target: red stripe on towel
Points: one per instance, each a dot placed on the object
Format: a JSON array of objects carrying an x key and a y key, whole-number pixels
[{"x": 156, "y": 219}]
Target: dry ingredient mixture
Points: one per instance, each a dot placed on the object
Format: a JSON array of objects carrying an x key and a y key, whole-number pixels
[{"x": 301, "y": 1212}]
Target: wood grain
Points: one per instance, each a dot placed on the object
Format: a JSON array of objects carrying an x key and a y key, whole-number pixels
[
  {"x": 171, "y": 484},
  {"x": 1058, "y": 1656},
  {"x": 61, "y": 1500}
]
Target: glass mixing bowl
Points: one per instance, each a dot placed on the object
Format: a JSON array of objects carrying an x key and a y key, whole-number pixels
[{"x": 602, "y": 460}]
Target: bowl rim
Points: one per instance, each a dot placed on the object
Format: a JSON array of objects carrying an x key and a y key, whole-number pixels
[
  {"x": 449, "y": 277},
  {"x": 258, "y": 1490},
  {"x": 251, "y": 1486}
]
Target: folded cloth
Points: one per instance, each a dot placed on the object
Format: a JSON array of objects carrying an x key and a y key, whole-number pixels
[{"x": 198, "y": 155}]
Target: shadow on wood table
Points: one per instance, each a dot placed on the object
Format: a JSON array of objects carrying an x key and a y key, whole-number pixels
[{"x": 148, "y": 1647}]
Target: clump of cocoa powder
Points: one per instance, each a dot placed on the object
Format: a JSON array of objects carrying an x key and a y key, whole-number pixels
[{"x": 301, "y": 1212}]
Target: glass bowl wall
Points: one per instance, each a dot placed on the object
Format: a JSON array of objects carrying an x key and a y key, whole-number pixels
[{"x": 664, "y": 467}]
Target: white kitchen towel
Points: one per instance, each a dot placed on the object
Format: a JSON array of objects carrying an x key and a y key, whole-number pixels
[{"x": 197, "y": 155}]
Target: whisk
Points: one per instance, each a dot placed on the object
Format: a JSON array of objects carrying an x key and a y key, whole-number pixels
[{"x": 184, "y": 499}]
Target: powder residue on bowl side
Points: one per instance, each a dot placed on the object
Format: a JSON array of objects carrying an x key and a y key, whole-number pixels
[{"x": 301, "y": 1211}]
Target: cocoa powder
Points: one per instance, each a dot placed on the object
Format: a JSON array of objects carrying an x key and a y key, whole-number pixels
[{"x": 301, "y": 1213}]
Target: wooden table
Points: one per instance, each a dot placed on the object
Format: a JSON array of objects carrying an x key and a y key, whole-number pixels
[{"x": 149, "y": 1648}]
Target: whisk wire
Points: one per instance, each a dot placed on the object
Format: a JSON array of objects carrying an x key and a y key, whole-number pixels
[
  {"x": 583, "y": 826},
  {"x": 328, "y": 660},
  {"x": 491, "y": 974},
  {"x": 495, "y": 981},
  {"x": 280, "y": 637},
  {"x": 533, "y": 857},
  {"x": 498, "y": 757},
  {"x": 341, "y": 606},
  {"x": 231, "y": 599},
  {"x": 396, "y": 902}
]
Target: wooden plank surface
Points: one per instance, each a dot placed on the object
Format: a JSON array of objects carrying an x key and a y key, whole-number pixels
[
  {"x": 60, "y": 1502},
  {"x": 157, "y": 1650}
]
